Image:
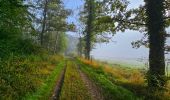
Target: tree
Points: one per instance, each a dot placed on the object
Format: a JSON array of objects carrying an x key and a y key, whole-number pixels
[
  {"x": 14, "y": 19},
  {"x": 151, "y": 20},
  {"x": 44, "y": 17},
  {"x": 56, "y": 26},
  {"x": 50, "y": 24},
  {"x": 156, "y": 29},
  {"x": 89, "y": 27},
  {"x": 93, "y": 31},
  {"x": 80, "y": 46}
]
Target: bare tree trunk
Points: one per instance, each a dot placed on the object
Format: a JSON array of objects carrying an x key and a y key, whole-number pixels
[
  {"x": 156, "y": 31},
  {"x": 89, "y": 28},
  {"x": 44, "y": 22}
]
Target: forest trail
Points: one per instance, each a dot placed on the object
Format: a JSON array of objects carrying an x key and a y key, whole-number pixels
[{"x": 93, "y": 91}]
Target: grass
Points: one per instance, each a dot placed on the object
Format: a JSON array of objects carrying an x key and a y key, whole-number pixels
[
  {"x": 73, "y": 87},
  {"x": 20, "y": 75},
  {"x": 119, "y": 73},
  {"x": 45, "y": 91},
  {"x": 110, "y": 90},
  {"x": 129, "y": 78}
]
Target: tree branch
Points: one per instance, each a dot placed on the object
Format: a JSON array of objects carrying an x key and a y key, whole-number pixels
[{"x": 128, "y": 21}]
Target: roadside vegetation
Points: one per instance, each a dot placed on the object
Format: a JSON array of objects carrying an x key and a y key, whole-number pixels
[
  {"x": 73, "y": 86},
  {"x": 20, "y": 76},
  {"x": 127, "y": 78},
  {"x": 109, "y": 89},
  {"x": 48, "y": 85}
]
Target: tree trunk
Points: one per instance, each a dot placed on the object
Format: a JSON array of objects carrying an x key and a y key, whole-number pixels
[
  {"x": 89, "y": 28},
  {"x": 156, "y": 30},
  {"x": 44, "y": 22}
]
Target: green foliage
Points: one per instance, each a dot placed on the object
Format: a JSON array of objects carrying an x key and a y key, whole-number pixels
[
  {"x": 104, "y": 24},
  {"x": 18, "y": 47},
  {"x": 15, "y": 24},
  {"x": 27, "y": 47},
  {"x": 13, "y": 18},
  {"x": 123, "y": 18},
  {"x": 102, "y": 19}
]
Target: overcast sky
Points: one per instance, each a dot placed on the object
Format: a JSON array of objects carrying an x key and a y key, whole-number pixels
[{"x": 122, "y": 49}]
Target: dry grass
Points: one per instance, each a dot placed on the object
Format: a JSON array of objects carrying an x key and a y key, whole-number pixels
[
  {"x": 119, "y": 73},
  {"x": 92, "y": 63}
]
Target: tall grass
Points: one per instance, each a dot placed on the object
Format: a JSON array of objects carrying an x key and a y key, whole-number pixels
[{"x": 117, "y": 72}]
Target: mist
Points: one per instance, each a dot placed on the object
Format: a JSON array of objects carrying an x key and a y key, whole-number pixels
[{"x": 120, "y": 47}]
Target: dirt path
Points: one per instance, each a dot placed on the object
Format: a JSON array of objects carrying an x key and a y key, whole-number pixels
[
  {"x": 93, "y": 89},
  {"x": 59, "y": 83}
]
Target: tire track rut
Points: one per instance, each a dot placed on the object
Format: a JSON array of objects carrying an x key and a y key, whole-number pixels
[
  {"x": 94, "y": 90},
  {"x": 59, "y": 84}
]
